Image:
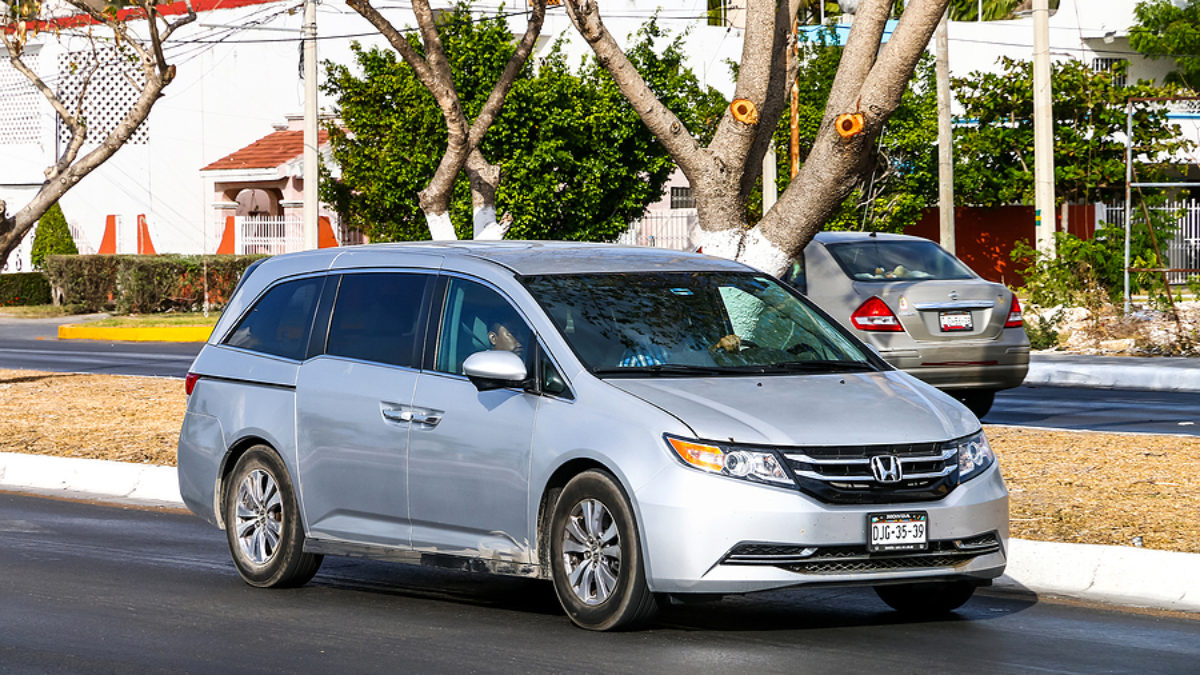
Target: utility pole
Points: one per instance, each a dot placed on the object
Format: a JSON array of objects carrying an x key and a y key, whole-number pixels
[
  {"x": 1043, "y": 131},
  {"x": 794, "y": 122},
  {"x": 945, "y": 136},
  {"x": 309, "y": 35}
]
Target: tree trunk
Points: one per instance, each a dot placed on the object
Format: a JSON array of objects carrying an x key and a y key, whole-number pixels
[{"x": 869, "y": 82}]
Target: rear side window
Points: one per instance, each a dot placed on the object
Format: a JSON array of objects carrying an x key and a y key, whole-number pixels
[
  {"x": 280, "y": 322},
  {"x": 376, "y": 317}
]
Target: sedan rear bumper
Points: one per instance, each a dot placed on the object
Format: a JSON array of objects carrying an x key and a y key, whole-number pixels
[{"x": 994, "y": 365}]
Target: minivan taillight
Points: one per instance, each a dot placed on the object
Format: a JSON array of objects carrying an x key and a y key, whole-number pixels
[
  {"x": 874, "y": 315},
  {"x": 1015, "y": 320},
  {"x": 189, "y": 383}
]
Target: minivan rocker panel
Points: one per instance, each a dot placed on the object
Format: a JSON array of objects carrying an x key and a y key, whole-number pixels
[{"x": 665, "y": 441}]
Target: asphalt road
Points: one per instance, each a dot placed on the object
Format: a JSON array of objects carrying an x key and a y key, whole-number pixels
[
  {"x": 1113, "y": 410},
  {"x": 89, "y": 588},
  {"x": 32, "y": 344}
]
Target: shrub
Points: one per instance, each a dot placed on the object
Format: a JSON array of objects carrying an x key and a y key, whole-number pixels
[
  {"x": 25, "y": 288},
  {"x": 52, "y": 237},
  {"x": 140, "y": 284}
]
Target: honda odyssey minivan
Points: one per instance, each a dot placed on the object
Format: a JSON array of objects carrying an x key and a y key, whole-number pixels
[{"x": 630, "y": 424}]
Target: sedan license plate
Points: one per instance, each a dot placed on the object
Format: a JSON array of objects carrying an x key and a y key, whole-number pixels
[
  {"x": 907, "y": 531},
  {"x": 955, "y": 321}
]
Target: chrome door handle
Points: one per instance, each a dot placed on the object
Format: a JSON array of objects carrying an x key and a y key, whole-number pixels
[{"x": 397, "y": 415}]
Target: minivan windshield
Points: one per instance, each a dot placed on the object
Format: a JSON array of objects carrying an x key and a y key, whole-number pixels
[
  {"x": 692, "y": 324},
  {"x": 883, "y": 260}
]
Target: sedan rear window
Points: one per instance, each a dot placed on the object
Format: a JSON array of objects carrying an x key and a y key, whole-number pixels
[{"x": 883, "y": 260}]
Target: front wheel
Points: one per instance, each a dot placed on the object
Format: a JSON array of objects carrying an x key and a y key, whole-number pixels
[
  {"x": 926, "y": 599},
  {"x": 262, "y": 523},
  {"x": 596, "y": 558}
]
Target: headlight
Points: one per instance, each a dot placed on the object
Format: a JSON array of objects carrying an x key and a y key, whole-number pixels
[
  {"x": 736, "y": 462},
  {"x": 974, "y": 455}
]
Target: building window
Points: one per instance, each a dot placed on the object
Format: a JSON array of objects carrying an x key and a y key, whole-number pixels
[
  {"x": 681, "y": 198},
  {"x": 717, "y": 12},
  {"x": 1116, "y": 67}
]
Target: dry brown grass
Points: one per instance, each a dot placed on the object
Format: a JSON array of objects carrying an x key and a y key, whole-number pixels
[
  {"x": 130, "y": 419},
  {"x": 1078, "y": 487}
]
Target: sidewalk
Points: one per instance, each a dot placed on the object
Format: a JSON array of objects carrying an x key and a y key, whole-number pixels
[
  {"x": 1109, "y": 574},
  {"x": 1156, "y": 373}
]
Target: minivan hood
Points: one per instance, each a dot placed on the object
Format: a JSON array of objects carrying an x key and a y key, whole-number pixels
[{"x": 835, "y": 409}]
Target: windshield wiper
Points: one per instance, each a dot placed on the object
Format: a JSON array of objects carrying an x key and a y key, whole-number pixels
[
  {"x": 663, "y": 369},
  {"x": 822, "y": 366}
]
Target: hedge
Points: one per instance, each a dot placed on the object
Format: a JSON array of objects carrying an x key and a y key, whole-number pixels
[
  {"x": 24, "y": 288},
  {"x": 52, "y": 237},
  {"x": 144, "y": 283}
]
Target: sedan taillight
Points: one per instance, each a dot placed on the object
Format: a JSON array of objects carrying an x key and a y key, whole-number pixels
[
  {"x": 874, "y": 315},
  {"x": 1015, "y": 320}
]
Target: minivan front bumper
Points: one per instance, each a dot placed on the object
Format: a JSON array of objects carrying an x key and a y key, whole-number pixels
[{"x": 711, "y": 534}]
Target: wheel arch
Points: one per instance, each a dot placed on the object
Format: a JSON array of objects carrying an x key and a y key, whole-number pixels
[
  {"x": 228, "y": 462},
  {"x": 549, "y": 496}
]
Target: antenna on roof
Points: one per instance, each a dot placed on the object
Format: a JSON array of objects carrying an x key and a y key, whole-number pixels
[{"x": 873, "y": 233}]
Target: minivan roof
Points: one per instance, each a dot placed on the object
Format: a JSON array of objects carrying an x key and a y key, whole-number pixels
[
  {"x": 562, "y": 257},
  {"x": 839, "y": 237}
]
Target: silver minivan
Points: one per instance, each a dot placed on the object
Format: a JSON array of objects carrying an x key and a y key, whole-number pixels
[{"x": 631, "y": 424}]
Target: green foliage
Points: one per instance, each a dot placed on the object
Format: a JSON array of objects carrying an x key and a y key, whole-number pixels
[
  {"x": 994, "y": 157},
  {"x": 1043, "y": 331},
  {"x": 904, "y": 181},
  {"x": 993, "y": 10},
  {"x": 140, "y": 283},
  {"x": 1166, "y": 30},
  {"x": 577, "y": 162},
  {"x": 52, "y": 237},
  {"x": 24, "y": 288},
  {"x": 1089, "y": 273}
]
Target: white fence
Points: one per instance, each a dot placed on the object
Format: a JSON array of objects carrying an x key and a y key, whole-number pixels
[
  {"x": 676, "y": 229},
  {"x": 1182, "y": 250},
  {"x": 269, "y": 235}
]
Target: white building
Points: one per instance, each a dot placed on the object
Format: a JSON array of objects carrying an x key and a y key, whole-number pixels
[{"x": 239, "y": 76}]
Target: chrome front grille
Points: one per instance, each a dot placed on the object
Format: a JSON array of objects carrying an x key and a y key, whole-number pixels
[
  {"x": 851, "y": 559},
  {"x": 843, "y": 474}
]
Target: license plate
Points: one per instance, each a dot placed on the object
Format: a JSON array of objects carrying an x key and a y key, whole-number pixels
[
  {"x": 907, "y": 531},
  {"x": 954, "y": 321}
]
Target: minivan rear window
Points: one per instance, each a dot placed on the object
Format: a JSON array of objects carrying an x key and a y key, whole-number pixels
[
  {"x": 883, "y": 260},
  {"x": 376, "y": 318},
  {"x": 280, "y": 322}
]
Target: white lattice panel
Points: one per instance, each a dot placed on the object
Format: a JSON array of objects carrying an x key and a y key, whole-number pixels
[
  {"x": 109, "y": 95},
  {"x": 19, "y": 104}
]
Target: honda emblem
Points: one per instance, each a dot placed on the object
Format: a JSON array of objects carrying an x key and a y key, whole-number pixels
[{"x": 886, "y": 468}]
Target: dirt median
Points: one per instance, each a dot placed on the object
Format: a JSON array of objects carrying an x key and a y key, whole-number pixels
[{"x": 1074, "y": 487}]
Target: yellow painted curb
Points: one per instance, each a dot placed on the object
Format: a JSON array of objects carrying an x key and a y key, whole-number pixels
[{"x": 148, "y": 334}]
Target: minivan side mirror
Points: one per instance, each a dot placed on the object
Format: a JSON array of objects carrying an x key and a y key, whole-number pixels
[{"x": 495, "y": 369}]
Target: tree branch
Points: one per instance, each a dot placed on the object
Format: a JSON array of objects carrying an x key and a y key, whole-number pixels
[
  {"x": 692, "y": 159},
  {"x": 516, "y": 62}
]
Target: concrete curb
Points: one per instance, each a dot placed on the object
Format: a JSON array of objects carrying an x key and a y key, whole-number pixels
[
  {"x": 1108, "y": 574},
  {"x": 143, "y": 483},
  {"x": 1120, "y": 575},
  {"x": 1127, "y": 372},
  {"x": 130, "y": 334}
]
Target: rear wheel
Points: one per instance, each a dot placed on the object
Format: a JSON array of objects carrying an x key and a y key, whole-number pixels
[
  {"x": 596, "y": 558},
  {"x": 262, "y": 523},
  {"x": 926, "y": 599},
  {"x": 979, "y": 401}
]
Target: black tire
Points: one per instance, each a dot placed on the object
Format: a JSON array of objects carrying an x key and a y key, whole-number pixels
[
  {"x": 266, "y": 541},
  {"x": 926, "y": 599},
  {"x": 627, "y": 603},
  {"x": 979, "y": 401}
]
